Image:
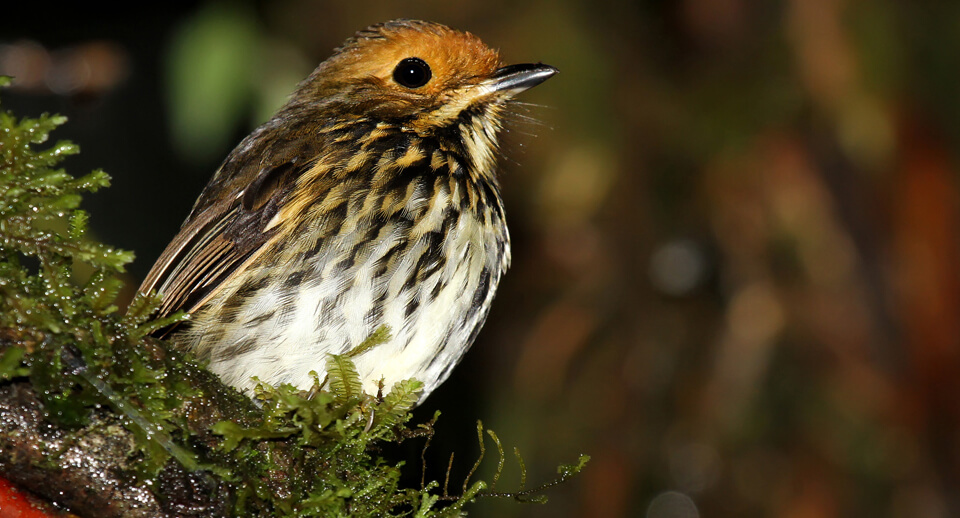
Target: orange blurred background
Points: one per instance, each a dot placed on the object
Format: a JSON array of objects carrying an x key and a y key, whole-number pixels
[{"x": 735, "y": 230}]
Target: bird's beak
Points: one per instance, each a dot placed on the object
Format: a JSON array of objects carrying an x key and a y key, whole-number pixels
[{"x": 513, "y": 79}]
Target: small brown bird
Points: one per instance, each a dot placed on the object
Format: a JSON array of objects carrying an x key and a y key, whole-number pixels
[{"x": 369, "y": 199}]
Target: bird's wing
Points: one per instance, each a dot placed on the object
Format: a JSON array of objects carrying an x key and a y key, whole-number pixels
[{"x": 217, "y": 240}]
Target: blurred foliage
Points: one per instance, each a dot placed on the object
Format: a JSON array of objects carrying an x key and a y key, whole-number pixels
[
  {"x": 213, "y": 61},
  {"x": 222, "y": 73}
]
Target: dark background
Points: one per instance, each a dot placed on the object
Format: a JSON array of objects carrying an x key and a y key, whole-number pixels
[{"x": 735, "y": 230}]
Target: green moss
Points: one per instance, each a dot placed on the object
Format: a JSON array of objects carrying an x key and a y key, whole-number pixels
[{"x": 289, "y": 454}]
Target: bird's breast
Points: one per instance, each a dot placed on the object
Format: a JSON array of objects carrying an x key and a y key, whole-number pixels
[{"x": 421, "y": 252}]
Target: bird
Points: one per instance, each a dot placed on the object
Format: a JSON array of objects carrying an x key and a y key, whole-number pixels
[{"x": 370, "y": 199}]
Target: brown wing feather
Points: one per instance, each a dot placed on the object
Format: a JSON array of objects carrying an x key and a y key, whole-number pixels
[
  {"x": 227, "y": 226},
  {"x": 216, "y": 241}
]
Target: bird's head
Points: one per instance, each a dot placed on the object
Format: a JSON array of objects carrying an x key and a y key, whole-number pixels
[{"x": 422, "y": 76}]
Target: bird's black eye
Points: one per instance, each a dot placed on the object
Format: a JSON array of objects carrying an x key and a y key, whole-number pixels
[{"x": 412, "y": 73}]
